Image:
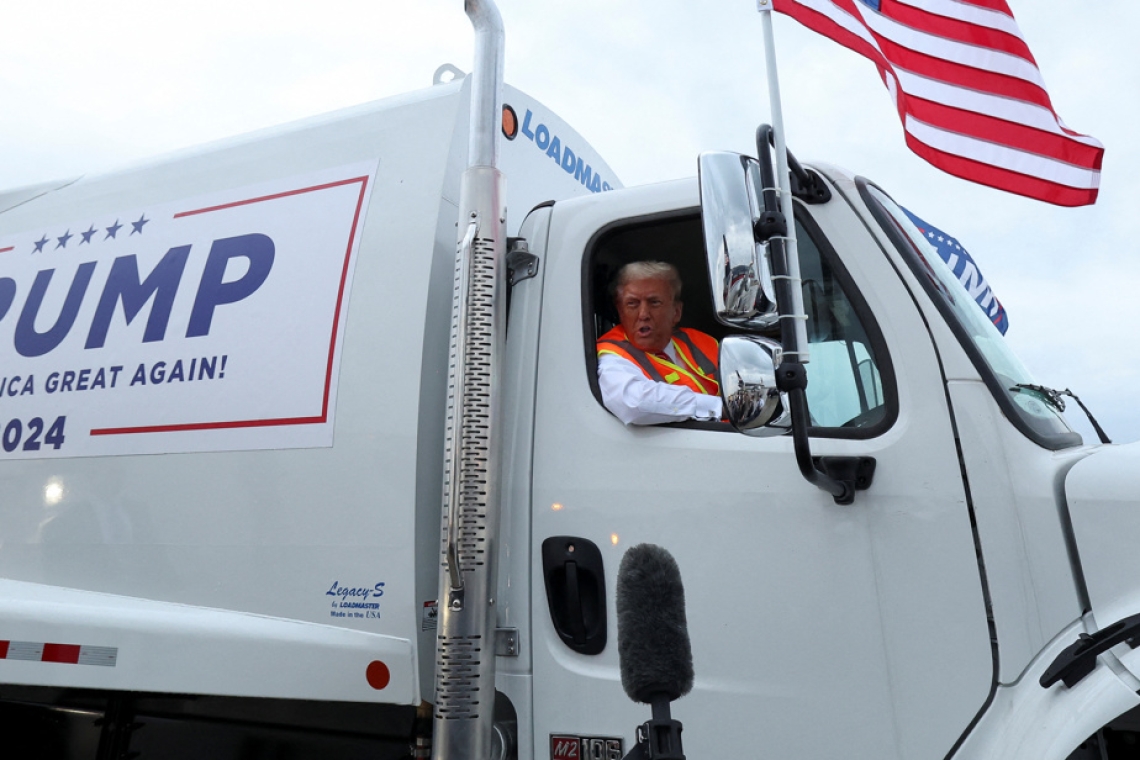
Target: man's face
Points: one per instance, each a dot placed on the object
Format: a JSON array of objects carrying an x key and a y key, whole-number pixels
[{"x": 648, "y": 312}]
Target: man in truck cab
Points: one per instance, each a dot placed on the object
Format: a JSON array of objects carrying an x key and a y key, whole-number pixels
[{"x": 649, "y": 370}]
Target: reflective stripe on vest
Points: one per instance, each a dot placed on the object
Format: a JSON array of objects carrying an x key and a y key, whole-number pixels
[
  {"x": 704, "y": 364},
  {"x": 701, "y": 378},
  {"x": 637, "y": 355}
]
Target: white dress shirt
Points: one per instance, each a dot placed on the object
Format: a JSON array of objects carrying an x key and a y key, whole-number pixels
[{"x": 636, "y": 400}]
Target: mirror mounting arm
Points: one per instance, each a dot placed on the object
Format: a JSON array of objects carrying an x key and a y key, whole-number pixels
[
  {"x": 805, "y": 183},
  {"x": 741, "y": 206},
  {"x": 770, "y": 224},
  {"x": 791, "y": 377}
]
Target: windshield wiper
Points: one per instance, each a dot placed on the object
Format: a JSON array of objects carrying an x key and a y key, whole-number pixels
[{"x": 1053, "y": 398}]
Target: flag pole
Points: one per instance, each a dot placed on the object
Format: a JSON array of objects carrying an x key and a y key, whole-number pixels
[{"x": 801, "y": 353}]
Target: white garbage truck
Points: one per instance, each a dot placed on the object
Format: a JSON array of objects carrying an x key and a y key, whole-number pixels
[{"x": 303, "y": 455}]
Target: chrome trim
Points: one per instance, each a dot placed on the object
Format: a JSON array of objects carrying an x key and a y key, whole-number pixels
[
  {"x": 752, "y": 402},
  {"x": 465, "y": 638},
  {"x": 739, "y": 270},
  {"x": 465, "y": 655},
  {"x": 486, "y": 83},
  {"x": 458, "y": 381}
]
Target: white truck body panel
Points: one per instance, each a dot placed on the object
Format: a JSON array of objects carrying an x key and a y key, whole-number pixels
[
  {"x": 1016, "y": 489},
  {"x": 1101, "y": 495},
  {"x": 1024, "y": 720},
  {"x": 272, "y": 536},
  {"x": 164, "y": 647}
]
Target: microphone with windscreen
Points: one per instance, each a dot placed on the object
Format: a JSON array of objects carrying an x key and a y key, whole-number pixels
[{"x": 653, "y": 646}]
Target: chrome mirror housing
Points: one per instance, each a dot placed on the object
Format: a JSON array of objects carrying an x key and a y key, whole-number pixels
[
  {"x": 739, "y": 271},
  {"x": 748, "y": 385}
]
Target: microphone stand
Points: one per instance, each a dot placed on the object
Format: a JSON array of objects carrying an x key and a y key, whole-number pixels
[{"x": 660, "y": 737}]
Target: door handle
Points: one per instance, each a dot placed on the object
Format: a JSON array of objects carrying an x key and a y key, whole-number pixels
[{"x": 576, "y": 592}]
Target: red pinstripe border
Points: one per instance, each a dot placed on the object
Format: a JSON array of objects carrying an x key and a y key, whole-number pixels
[{"x": 323, "y": 417}]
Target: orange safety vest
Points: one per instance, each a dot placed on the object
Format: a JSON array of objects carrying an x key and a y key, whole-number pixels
[{"x": 698, "y": 352}]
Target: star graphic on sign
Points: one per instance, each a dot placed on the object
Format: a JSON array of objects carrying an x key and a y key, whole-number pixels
[
  {"x": 87, "y": 235},
  {"x": 139, "y": 224},
  {"x": 113, "y": 229},
  {"x": 40, "y": 244},
  {"x": 63, "y": 239}
]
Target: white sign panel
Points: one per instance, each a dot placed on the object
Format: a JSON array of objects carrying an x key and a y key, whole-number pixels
[{"x": 207, "y": 324}]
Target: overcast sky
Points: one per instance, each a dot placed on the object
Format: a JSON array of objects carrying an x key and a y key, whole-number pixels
[{"x": 86, "y": 87}]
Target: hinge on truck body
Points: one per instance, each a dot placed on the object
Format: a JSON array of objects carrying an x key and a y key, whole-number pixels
[
  {"x": 521, "y": 263},
  {"x": 507, "y": 642}
]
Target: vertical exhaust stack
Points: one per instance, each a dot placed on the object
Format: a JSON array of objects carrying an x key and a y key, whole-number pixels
[{"x": 465, "y": 653}]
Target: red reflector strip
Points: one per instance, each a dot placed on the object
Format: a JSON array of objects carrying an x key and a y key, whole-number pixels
[{"x": 69, "y": 654}]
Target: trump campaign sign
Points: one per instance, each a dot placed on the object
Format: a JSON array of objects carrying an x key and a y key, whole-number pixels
[{"x": 211, "y": 323}]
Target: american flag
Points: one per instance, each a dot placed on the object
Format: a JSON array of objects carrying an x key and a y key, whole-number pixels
[
  {"x": 966, "y": 270},
  {"x": 968, "y": 92}
]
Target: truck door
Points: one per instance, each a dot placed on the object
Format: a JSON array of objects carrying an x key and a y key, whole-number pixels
[{"x": 817, "y": 630}]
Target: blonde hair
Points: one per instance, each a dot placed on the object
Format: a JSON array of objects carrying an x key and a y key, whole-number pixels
[{"x": 645, "y": 270}]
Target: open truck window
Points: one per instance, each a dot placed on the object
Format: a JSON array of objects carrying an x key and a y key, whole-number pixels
[
  {"x": 675, "y": 239},
  {"x": 850, "y": 382}
]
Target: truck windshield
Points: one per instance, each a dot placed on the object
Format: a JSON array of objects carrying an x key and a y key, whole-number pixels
[{"x": 999, "y": 367}]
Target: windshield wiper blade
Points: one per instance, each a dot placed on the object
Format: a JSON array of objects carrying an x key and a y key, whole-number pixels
[
  {"x": 1053, "y": 397},
  {"x": 1047, "y": 394}
]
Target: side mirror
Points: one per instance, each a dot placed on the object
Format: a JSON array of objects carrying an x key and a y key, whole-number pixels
[
  {"x": 739, "y": 271},
  {"x": 748, "y": 386}
]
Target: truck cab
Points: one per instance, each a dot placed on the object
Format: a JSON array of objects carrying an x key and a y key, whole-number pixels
[{"x": 895, "y": 626}]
